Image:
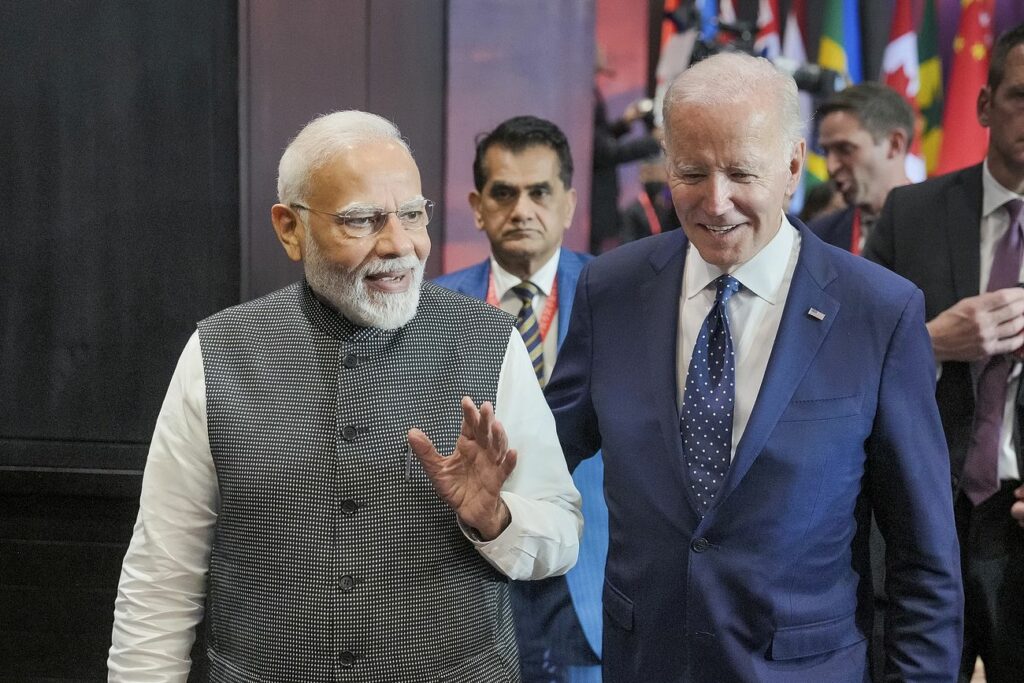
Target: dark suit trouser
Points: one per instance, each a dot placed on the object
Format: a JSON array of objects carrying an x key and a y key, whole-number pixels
[
  {"x": 548, "y": 633},
  {"x": 992, "y": 561}
]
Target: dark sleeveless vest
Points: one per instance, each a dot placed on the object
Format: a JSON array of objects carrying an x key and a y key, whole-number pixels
[{"x": 334, "y": 559}]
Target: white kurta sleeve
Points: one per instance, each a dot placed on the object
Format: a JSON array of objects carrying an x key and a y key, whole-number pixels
[
  {"x": 162, "y": 589},
  {"x": 543, "y": 537}
]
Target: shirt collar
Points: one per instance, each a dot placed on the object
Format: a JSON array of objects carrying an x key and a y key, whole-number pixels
[
  {"x": 544, "y": 278},
  {"x": 762, "y": 275},
  {"x": 993, "y": 194}
]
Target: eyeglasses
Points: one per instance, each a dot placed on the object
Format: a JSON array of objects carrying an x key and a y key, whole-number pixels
[{"x": 366, "y": 222}]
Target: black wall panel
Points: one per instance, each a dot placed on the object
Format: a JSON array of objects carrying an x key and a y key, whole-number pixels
[{"x": 119, "y": 141}]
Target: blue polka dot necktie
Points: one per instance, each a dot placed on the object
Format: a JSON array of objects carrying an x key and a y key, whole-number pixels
[
  {"x": 528, "y": 326},
  {"x": 708, "y": 400}
]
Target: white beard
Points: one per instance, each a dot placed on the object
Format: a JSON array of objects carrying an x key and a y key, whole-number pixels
[{"x": 346, "y": 292}]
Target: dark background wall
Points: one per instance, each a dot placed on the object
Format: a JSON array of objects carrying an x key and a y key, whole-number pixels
[{"x": 119, "y": 141}]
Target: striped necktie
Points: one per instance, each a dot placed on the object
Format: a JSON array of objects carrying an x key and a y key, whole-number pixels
[{"x": 529, "y": 327}]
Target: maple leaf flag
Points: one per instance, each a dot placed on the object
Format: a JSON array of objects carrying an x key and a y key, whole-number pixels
[{"x": 901, "y": 73}]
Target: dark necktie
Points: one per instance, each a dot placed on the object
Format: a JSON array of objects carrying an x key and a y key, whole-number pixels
[
  {"x": 981, "y": 470},
  {"x": 528, "y": 326},
  {"x": 708, "y": 399}
]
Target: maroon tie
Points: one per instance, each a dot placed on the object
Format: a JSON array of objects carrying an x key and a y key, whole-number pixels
[{"x": 981, "y": 471}]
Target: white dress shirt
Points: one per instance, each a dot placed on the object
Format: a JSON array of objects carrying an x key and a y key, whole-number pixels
[
  {"x": 163, "y": 579},
  {"x": 995, "y": 221},
  {"x": 755, "y": 312},
  {"x": 544, "y": 278}
]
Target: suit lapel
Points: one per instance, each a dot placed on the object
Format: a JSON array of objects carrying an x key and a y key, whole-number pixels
[
  {"x": 796, "y": 344},
  {"x": 659, "y": 295},
  {"x": 962, "y": 220},
  {"x": 569, "y": 267}
]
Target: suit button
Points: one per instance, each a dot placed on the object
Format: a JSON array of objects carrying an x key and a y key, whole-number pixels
[
  {"x": 351, "y": 360},
  {"x": 700, "y": 545},
  {"x": 346, "y": 583},
  {"x": 348, "y": 507},
  {"x": 346, "y": 659},
  {"x": 348, "y": 433}
]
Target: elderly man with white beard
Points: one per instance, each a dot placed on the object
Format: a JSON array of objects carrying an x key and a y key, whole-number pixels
[{"x": 296, "y": 494}]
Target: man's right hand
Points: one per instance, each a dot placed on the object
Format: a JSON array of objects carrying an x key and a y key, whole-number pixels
[{"x": 979, "y": 326}]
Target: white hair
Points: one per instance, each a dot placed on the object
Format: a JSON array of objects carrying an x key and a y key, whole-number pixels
[
  {"x": 321, "y": 140},
  {"x": 731, "y": 77}
]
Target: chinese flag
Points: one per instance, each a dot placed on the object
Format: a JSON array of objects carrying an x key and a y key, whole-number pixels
[{"x": 965, "y": 140}]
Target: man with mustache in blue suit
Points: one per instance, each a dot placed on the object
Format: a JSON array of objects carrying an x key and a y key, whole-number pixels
[{"x": 524, "y": 202}]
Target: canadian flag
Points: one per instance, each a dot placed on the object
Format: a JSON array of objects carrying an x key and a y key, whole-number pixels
[{"x": 900, "y": 72}]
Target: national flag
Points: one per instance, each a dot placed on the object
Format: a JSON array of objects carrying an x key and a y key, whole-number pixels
[
  {"x": 900, "y": 72},
  {"x": 839, "y": 48},
  {"x": 795, "y": 52},
  {"x": 971, "y": 49},
  {"x": 767, "y": 43},
  {"x": 929, "y": 95}
]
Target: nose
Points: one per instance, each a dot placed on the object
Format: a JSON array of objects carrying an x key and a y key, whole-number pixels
[
  {"x": 717, "y": 195},
  {"x": 831, "y": 163},
  {"x": 393, "y": 240},
  {"x": 522, "y": 210}
]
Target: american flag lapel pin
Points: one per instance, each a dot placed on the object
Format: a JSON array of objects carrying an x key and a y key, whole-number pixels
[{"x": 815, "y": 313}]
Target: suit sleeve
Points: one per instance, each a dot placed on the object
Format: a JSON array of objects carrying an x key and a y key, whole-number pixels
[
  {"x": 908, "y": 479},
  {"x": 568, "y": 392}
]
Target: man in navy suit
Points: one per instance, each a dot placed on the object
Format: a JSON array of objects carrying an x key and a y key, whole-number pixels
[
  {"x": 865, "y": 132},
  {"x": 524, "y": 203},
  {"x": 947, "y": 236},
  {"x": 783, "y": 391}
]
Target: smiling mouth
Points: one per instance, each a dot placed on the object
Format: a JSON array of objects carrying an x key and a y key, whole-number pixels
[
  {"x": 394, "y": 281},
  {"x": 720, "y": 229}
]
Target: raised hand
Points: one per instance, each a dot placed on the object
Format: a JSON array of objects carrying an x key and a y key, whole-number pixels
[
  {"x": 470, "y": 479},
  {"x": 979, "y": 326}
]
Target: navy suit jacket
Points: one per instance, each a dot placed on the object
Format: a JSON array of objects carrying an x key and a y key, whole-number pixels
[
  {"x": 584, "y": 581},
  {"x": 773, "y": 583},
  {"x": 835, "y": 228}
]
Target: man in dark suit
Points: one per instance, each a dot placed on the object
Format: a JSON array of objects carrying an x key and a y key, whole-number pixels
[
  {"x": 524, "y": 203},
  {"x": 783, "y": 391},
  {"x": 865, "y": 132},
  {"x": 955, "y": 236}
]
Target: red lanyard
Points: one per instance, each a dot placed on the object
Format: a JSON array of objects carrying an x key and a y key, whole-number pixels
[
  {"x": 549, "y": 308},
  {"x": 652, "y": 215},
  {"x": 855, "y": 233}
]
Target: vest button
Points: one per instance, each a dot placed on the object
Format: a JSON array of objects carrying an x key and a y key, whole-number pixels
[
  {"x": 700, "y": 545},
  {"x": 351, "y": 360},
  {"x": 346, "y": 659},
  {"x": 348, "y": 433},
  {"x": 346, "y": 583},
  {"x": 348, "y": 507}
]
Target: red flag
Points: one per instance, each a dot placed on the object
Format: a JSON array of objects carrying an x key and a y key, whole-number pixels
[
  {"x": 900, "y": 72},
  {"x": 965, "y": 141}
]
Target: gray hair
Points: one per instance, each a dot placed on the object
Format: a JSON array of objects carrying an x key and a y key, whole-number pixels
[
  {"x": 322, "y": 139},
  {"x": 731, "y": 77}
]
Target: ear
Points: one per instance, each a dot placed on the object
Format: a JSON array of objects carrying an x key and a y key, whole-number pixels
[
  {"x": 898, "y": 146},
  {"x": 290, "y": 230},
  {"x": 984, "y": 105},
  {"x": 474, "y": 203},
  {"x": 796, "y": 167}
]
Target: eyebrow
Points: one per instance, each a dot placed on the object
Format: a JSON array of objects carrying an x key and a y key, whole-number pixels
[
  {"x": 366, "y": 206},
  {"x": 502, "y": 185}
]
